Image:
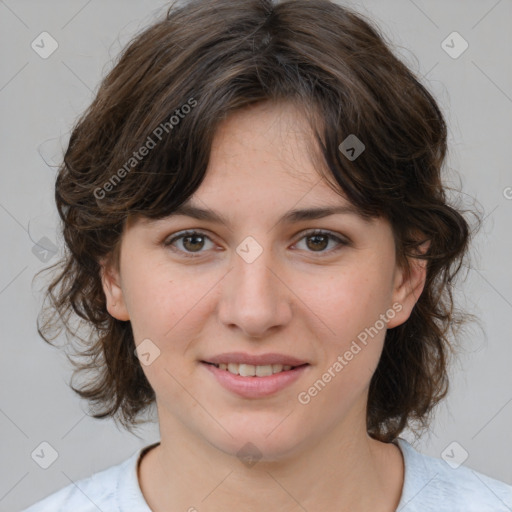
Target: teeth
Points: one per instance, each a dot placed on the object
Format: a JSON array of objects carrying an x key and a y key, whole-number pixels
[{"x": 249, "y": 370}]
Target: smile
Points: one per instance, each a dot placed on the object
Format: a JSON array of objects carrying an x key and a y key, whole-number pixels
[
  {"x": 250, "y": 370},
  {"x": 251, "y": 381}
]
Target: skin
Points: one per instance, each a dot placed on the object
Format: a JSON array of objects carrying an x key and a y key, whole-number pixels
[{"x": 296, "y": 298}]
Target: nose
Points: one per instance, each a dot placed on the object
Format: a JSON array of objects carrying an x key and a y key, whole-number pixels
[{"x": 254, "y": 297}]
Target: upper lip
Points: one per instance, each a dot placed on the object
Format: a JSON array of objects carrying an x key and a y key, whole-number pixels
[{"x": 256, "y": 360}]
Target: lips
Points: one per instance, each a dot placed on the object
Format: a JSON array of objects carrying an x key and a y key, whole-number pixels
[
  {"x": 256, "y": 387},
  {"x": 261, "y": 375}
]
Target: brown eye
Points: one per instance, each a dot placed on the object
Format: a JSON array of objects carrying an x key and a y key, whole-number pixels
[
  {"x": 318, "y": 241},
  {"x": 192, "y": 242}
]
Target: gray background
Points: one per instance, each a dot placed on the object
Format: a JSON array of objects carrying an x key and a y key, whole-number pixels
[{"x": 40, "y": 100}]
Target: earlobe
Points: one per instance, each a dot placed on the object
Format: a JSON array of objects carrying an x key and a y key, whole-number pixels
[{"x": 113, "y": 293}]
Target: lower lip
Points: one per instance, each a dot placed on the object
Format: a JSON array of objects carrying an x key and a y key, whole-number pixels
[{"x": 255, "y": 387}]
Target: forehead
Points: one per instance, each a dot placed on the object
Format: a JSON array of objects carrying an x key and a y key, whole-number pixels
[
  {"x": 266, "y": 149},
  {"x": 269, "y": 130}
]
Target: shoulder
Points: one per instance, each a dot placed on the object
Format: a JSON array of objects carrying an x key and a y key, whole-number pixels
[
  {"x": 99, "y": 491},
  {"x": 432, "y": 484}
]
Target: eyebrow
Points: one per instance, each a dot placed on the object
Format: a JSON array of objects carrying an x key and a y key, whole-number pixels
[{"x": 290, "y": 217}]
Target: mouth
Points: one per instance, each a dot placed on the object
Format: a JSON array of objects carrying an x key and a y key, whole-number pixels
[
  {"x": 250, "y": 370},
  {"x": 254, "y": 381}
]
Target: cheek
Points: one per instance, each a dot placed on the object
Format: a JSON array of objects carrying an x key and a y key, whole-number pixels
[
  {"x": 349, "y": 305},
  {"x": 167, "y": 308},
  {"x": 350, "y": 356},
  {"x": 154, "y": 298},
  {"x": 349, "y": 300},
  {"x": 166, "y": 304}
]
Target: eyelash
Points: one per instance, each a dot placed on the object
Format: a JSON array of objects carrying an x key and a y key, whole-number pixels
[{"x": 311, "y": 233}]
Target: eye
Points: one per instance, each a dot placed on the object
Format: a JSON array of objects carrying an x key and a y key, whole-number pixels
[
  {"x": 193, "y": 241},
  {"x": 319, "y": 240}
]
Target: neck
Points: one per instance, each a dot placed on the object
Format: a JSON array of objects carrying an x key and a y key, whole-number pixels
[{"x": 340, "y": 472}]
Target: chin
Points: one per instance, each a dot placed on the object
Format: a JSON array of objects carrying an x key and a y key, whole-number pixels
[{"x": 255, "y": 440}]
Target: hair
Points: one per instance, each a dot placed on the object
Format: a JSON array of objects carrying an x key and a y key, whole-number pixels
[{"x": 168, "y": 91}]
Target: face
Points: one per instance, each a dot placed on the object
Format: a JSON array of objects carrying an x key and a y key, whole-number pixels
[{"x": 322, "y": 290}]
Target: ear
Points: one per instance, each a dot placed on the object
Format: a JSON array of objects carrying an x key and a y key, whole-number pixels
[
  {"x": 408, "y": 286},
  {"x": 110, "y": 280}
]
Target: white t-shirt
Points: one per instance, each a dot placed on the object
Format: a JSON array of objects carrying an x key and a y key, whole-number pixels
[{"x": 430, "y": 485}]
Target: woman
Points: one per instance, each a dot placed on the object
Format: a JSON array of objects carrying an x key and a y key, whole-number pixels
[{"x": 260, "y": 240}]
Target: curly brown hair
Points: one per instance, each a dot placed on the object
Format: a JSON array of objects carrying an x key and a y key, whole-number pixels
[{"x": 169, "y": 90}]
